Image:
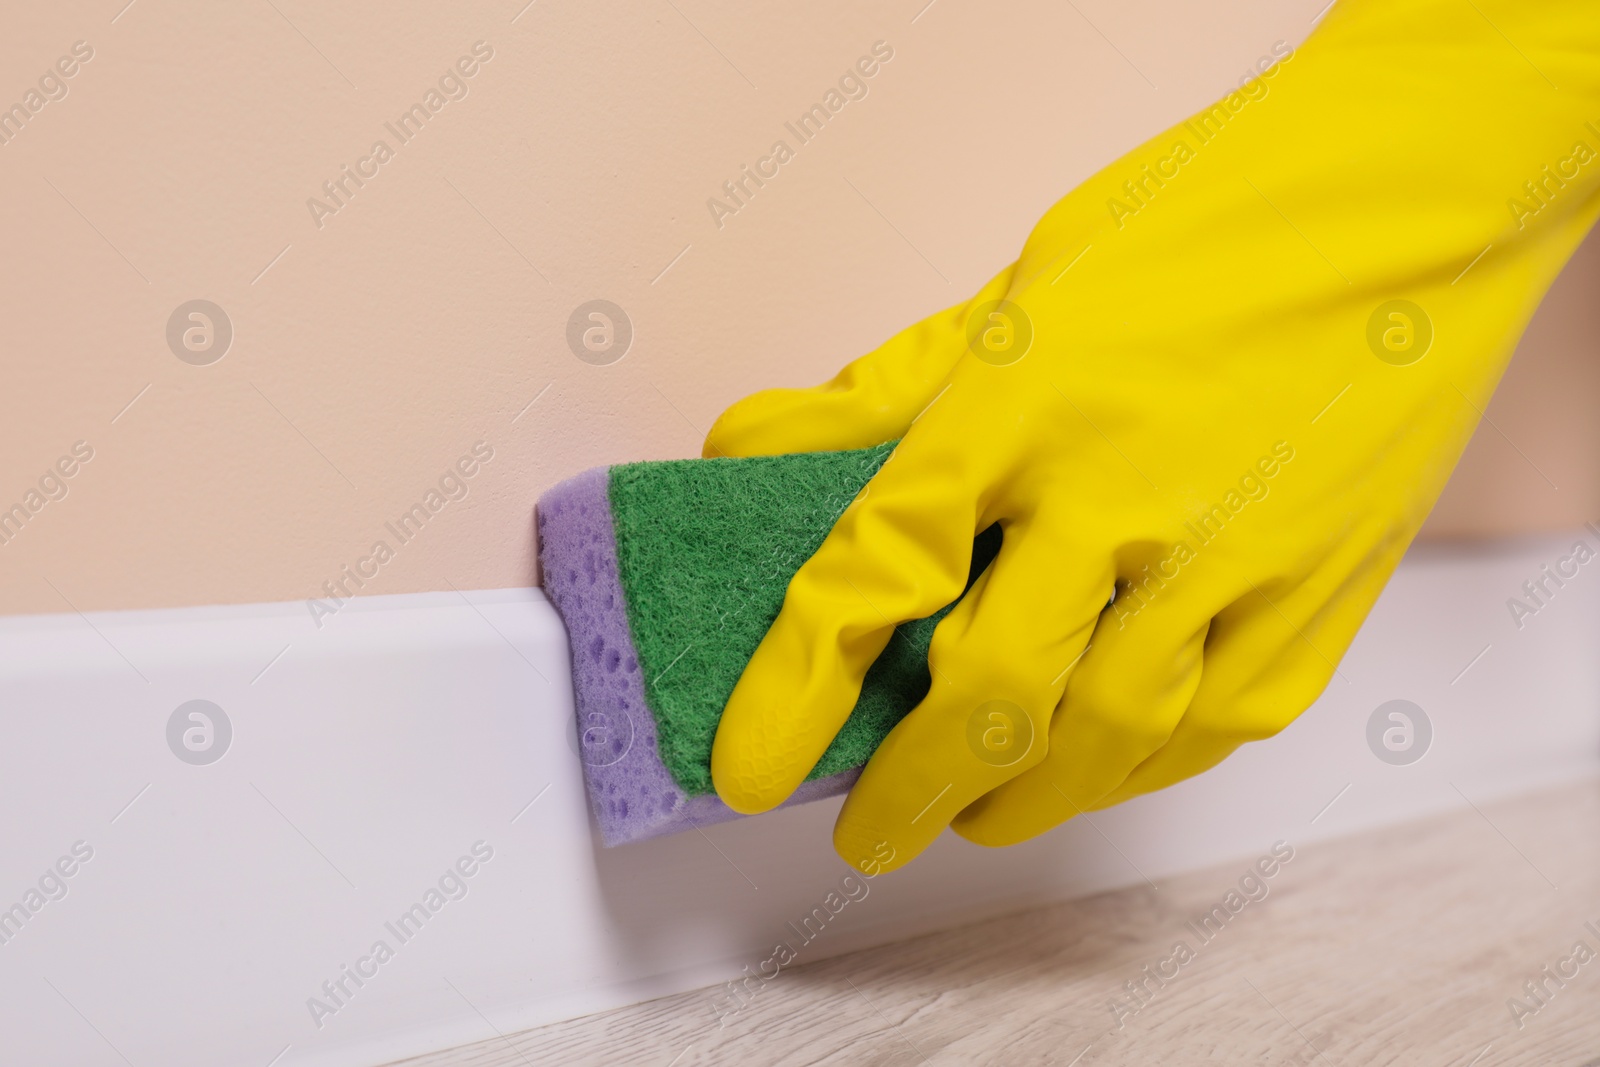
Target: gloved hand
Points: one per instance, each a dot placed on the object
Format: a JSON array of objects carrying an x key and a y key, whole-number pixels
[{"x": 1228, "y": 375}]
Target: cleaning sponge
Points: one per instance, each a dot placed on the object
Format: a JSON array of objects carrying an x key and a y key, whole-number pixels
[{"x": 667, "y": 576}]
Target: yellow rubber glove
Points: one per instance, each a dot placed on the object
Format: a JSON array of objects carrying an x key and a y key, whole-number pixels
[{"x": 1229, "y": 375}]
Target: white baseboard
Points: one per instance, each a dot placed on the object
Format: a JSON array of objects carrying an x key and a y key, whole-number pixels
[{"x": 372, "y": 753}]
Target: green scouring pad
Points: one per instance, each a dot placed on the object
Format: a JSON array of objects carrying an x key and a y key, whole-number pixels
[{"x": 667, "y": 576}]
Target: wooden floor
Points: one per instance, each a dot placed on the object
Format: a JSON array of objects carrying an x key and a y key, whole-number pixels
[{"x": 1396, "y": 947}]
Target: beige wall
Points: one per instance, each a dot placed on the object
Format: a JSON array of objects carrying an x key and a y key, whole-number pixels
[
  {"x": 1535, "y": 465},
  {"x": 371, "y": 352}
]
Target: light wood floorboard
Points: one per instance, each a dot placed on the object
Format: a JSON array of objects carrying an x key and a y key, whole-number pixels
[{"x": 1400, "y": 946}]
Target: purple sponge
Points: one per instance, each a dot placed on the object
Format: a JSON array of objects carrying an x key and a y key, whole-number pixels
[{"x": 631, "y": 792}]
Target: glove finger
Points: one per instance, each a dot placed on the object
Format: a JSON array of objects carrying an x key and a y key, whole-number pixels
[
  {"x": 902, "y": 550},
  {"x": 1270, "y": 656},
  {"x": 1121, "y": 702},
  {"x": 998, "y": 662},
  {"x": 872, "y": 400}
]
